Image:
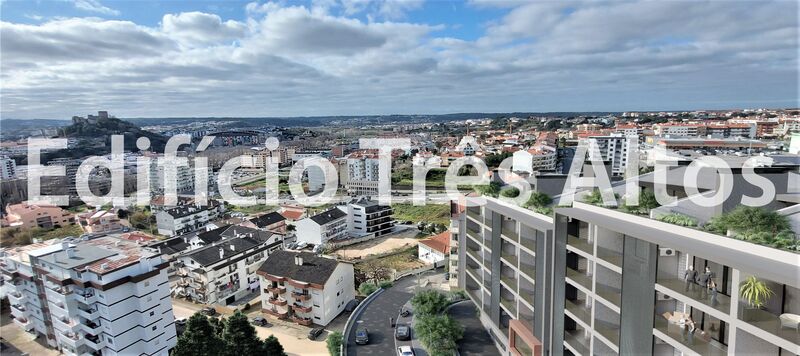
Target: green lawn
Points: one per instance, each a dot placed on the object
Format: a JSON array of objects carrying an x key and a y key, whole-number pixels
[
  {"x": 69, "y": 230},
  {"x": 253, "y": 209},
  {"x": 436, "y": 213}
]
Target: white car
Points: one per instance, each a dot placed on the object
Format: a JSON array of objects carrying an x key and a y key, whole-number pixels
[{"x": 405, "y": 351}]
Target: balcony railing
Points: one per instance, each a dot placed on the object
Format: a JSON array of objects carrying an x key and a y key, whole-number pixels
[
  {"x": 580, "y": 278},
  {"x": 301, "y": 308},
  {"x": 695, "y": 341},
  {"x": 301, "y": 296},
  {"x": 580, "y": 244},
  {"x": 277, "y": 290},
  {"x": 278, "y": 302},
  {"x": 302, "y": 321}
]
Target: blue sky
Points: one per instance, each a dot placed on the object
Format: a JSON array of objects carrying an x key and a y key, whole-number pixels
[{"x": 350, "y": 57}]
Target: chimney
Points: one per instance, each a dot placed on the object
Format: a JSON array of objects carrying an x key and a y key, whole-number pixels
[
  {"x": 233, "y": 248},
  {"x": 64, "y": 245},
  {"x": 221, "y": 253},
  {"x": 298, "y": 260},
  {"x": 70, "y": 252},
  {"x": 186, "y": 239}
]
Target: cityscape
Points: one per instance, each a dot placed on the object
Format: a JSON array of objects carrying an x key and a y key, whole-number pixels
[{"x": 399, "y": 178}]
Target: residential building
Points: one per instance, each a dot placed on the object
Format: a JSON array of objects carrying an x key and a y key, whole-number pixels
[
  {"x": 305, "y": 288},
  {"x": 362, "y": 173},
  {"x": 680, "y": 129},
  {"x": 225, "y": 270},
  {"x": 469, "y": 146},
  {"x": 273, "y": 222},
  {"x": 532, "y": 160},
  {"x": 434, "y": 250},
  {"x": 184, "y": 176},
  {"x": 8, "y": 168},
  {"x": 104, "y": 296},
  {"x": 28, "y": 216},
  {"x": 329, "y": 225},
  {"x": 365, "y": 217},
  {"x": 710, "y": 144},
  {"x": 591, "y": 280},
  {"x": 99, "y": 221},
  {"x": 614, "y": 149},
  {"x": 292, "y": 212},
  {"x": 187, "y": 218}
]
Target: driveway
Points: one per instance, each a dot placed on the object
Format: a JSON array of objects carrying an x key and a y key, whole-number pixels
[
  {"x": 387, "y": 305},
  {"x": 476, "y": 340}
]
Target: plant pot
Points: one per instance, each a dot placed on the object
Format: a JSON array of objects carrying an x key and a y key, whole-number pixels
[{"x": 749, "y": 313}]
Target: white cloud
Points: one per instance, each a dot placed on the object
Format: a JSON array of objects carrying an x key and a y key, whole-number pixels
[
  {"x": 94, "y": 6},
  {"x": 316, "y": 60}
]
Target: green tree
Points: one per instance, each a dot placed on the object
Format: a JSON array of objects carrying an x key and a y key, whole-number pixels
[
  {"x": 273, "y": 347},
  {"x": 199, "y": 339},
  {"x": 334, "y": 343},
  {"x": 367, "y": 288},
  {"x": 240, "y": 336},
  {"x": 429, "y": 302},
  {"x": 439, "y": 334},
  {"x": 492, "y": 189},
  {"x": 539, "y": 200},
  {"x": 218, "y": 324}
]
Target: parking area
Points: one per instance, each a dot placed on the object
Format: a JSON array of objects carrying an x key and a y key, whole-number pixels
[{"x": 20, "y": 342}]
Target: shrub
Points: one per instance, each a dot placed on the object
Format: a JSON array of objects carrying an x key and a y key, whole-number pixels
[
  {"x": 679, "y": 219},
  {"x": 429, "y": 302},
  {"x": 538, "y": 200},
  {"x": 747, "y": 220},
  {"x": 439, "y": 334},
  {"x": 367, "y": 288},
  {"x": 334, "y": 343},
  {"x": 385, "y": 284},
  {"x": 510, "y": 192}
]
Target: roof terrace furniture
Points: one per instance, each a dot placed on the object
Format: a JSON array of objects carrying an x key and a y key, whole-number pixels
[{"x": 790, "y": 321}]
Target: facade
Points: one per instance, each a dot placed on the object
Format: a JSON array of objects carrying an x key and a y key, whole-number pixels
[
  {"x": 225, "y": 270},
  {"x": 8, "y": 168},
  {"x": 187, "y": 218},
  {"x": 272, "y": 222},
  {"x": 106, "y": 296},
  {"x": 365, "y": 217},
  {"x": 101, "y": 221},
  {"x": 329, "y": 225},
  {"x": 710, "y": 144},
  {"x": 591, "y": 280},
  {"x": 184, "y": 176},
  {"x": 680, "y": 129},
  {"x": 434, "y": 250},
  {"x": 533, "y": 160},
  {"x": 362, "y": 173},
  {"x": 305, "y": 288},
  {"x": 614, "y": 149},
  {"x": 28, "y": 216}
]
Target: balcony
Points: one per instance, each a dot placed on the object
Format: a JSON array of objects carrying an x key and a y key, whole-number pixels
[
  {"x": 580, "y": 278},
  {"x": 474, "y": 215},
  {"x": 277, "y": 290},
  {"x": 608, "y": 331},
  {"x": 770, "y": 323},
  {"x": 475, "y": 254},
  {"x": 71, "y": 339},
  {"x": 609, "y": 293},
  {"x": 509, "y": 230},
  {"x": 300, "y": 308},
  {"x": 579, "y": 310},
  {"x": 95, "y": 342},
  {"x": 510, "y": 305},
  {"x": 276, "y": 313},
  {"x": 301, "y": 296},
  {"x": 90, "y": 328},
  {"x": 510, "y": 257},
  {"x": 578, "y": 341},
  {"x": 510, "y": 280},
  {"x": 676, "y": 335},
  {"x": 527, "y": 269},
  {"x": 88, "y": 313},
  {"x": 64, "y": 323},
  {"x": 15, "y": 297},
  {"x": 277, "y": 301},
  {"x": 580, "y": 244},
  {"x": 302, "y": 321},
  {"x": 528, "y": 242},
  {"x": 21, "y": 308},
  {"x": 24, "y": 323},
  {"x": 88, "y": 299},
  {"x": 475, "y": 235},
  {"x": 610, "y": 256},
  {"x": 679, "y": 289}
]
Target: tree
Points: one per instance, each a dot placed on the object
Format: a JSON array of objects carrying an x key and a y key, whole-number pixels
[
  {"x": 429, "y": 302},
  {"x": 539, "y": 200},
  {"x": 367, "y": 288},
  {"x": 272, "y": 347},
  {"x": 334, "y": 343},
  {"x": 218, "y": 324},
  {"x": 240, "y": 336},
  {"x": 199, "y": 339},
  {"x": 492, "y": 189},
  {"x": 439, "y": 334}
]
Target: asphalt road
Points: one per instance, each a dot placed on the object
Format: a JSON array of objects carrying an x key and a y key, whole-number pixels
[{"x": 376, "y": 318}]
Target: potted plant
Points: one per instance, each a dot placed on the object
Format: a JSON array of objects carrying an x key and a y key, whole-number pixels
[{"x": 756, "y": 293}]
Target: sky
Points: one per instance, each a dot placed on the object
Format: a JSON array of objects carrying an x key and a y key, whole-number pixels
[{"x": 140, "y": 58}]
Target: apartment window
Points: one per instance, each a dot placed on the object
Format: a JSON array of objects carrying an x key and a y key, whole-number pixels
[
  {"x": 154, "y": 327},
  {"x": 149, "y": 298},
  {"x": 146, "y": 283},
  {"x": 152, "y": 313}
]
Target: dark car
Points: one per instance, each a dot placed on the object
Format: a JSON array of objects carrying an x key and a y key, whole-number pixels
[
  {"x": 210, "y": 311},
  {"x": 314, "y": 333},
  {"x": 260, "y": 321},
  {"x": 402, "y": 332},
  {"x": 362, "y": 336}
]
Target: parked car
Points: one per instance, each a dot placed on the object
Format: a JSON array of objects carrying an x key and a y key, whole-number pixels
[
  {"x": 260, "y": 321},
  {"x": 210, "y": 311},
  {"x": 402, "y": 332},
  {"x": 405, "y": 351},
  {"x": 362, "y": 336},
  {"x": 314, "y": 333}
]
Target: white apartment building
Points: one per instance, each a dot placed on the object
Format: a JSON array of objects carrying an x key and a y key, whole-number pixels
[
  {"x": 225, "y": 270},
  {"x": 532, "y": 160},
  {"x": 106, "y": 296},
  {"x": 323, "y": 227},
  {"x": 679, "y": 129},
  {"x": 187, "y": 218},
  {"x": 305, "y": 288},
  {"x": 184, "y": 177},
  {"x": 362, "y": 173},
  {"x": 614, "y": 148},
  {"x": 8, "y": 168}
]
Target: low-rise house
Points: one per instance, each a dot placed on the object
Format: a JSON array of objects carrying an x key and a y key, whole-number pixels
[
  {"x": 187, "y": 218},
  {"x": 305, "y": 288},
  {"x": 434, "y": 250},
  {"x": 329, "y": 225},
  {"x": 292, "y": 212},
  {"x": 99, "y": 221},
  {"x": 28, "y": 216},
  {"x": 273, "y": 222},
  {"x": 224, "y": 271}
]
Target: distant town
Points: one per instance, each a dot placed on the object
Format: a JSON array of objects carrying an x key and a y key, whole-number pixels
[{"x": 356, "y": 276}]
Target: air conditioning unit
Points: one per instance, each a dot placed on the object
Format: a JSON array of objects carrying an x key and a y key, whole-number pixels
[
  {"x": 662, "y": 296},
  {"x": 666, "y": 251}
]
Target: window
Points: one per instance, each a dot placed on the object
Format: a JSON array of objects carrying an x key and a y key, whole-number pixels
[
  {"x": 146, "y": 283},
  {"x": 149, "y": 298},
  {"x": 155, "y": 327},
  {"x": 152, "y": 313}
]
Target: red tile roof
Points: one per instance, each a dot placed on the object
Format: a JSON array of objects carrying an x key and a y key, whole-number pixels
[{"x": 439, "y": 242}]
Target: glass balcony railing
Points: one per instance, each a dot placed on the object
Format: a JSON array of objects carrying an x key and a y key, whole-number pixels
[
  {"x": 510, "y": 256},
  {"x": 580, "y": 310},
  {"x": 609, "y": 331},
  {"x": 580, "y": 244},
  {"x": 577, "y": 340},
  {"x": 580, "y": 278},
  {"x": 695, "y": 341},
  {"x": 608, "y": 293},
  {"x": 694, "y": 292},
  {"x": 610, "y": 256}
]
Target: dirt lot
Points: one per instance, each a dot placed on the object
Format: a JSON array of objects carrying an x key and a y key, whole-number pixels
[
  {"x": 403, "y": 239},
  {"x": 19, "y": 341}
]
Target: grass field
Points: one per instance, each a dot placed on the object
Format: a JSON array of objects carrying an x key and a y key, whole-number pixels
[
  {"x": 435, "y": 213},
  {"x": 253, "y": 209}
]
